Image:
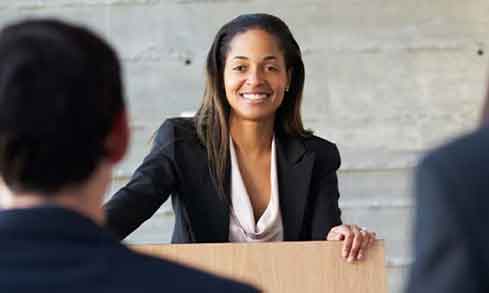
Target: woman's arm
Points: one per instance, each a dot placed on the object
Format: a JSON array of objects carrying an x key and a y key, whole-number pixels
[
  {"x": 327, "y": 217},
  {"x": 149, "y": 187},
  {"x": 326, "y": 212}
]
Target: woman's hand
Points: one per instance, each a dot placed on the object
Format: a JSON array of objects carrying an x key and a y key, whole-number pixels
[{"x": 356, "y": 240}]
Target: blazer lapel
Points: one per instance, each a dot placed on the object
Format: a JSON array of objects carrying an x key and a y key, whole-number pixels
[
  {"x": 207, "y": 210},
  {"x": 294, "y": 176},
  {"x": 226, "y": 203},
  {"x": 219, "y": 217}
]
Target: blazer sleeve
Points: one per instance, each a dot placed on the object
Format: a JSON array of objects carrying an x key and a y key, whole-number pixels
[
  {"x": 149, "y": 187},
  {"x": 442, "y": 255},
  {"x": 326, "y": 212}
]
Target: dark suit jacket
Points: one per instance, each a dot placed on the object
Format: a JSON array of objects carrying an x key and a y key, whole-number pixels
[
  {"x": 452, "y": 218},
  {"x": 50, "y": 249},
  {"x": 178, "y": 165}
]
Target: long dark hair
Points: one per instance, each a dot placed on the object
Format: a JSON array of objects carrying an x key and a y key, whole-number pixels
[{"x": 212, "y": 117}]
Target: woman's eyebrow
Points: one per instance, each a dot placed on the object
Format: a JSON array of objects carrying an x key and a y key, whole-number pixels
[
  {"x": 267, "y": 58},
  {"x": 240, "y": 57}
]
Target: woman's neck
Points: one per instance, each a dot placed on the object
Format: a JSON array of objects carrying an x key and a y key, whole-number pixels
[{"x": 252, "y": 137}]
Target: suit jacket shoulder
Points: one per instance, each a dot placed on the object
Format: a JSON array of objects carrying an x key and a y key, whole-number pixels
[
  {"x": 327, "y": 154},
  {"x": 69, "y": 252},
  {"x": 468, "y": 151},
  {"x": 451, "y": 197},
  {"x": 176, "y": 130}
]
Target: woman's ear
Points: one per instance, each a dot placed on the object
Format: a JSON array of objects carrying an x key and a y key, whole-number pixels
[{"x": 117, "y": 142}]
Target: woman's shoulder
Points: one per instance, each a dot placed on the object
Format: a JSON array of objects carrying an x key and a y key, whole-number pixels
[
  {"x": 319, "y": 144},
  {"x": 185, "y": 124},
  {"x": 175, "y": 130},
  {"x": 325, "y": 151}
]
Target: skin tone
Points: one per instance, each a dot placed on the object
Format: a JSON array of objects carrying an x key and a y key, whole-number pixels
[
  {"x": 255, "y": 80},
  {"x": 86, "y": 197}
]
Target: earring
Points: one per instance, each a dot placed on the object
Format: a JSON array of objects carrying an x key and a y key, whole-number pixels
[{"x": 287, "y": 88}]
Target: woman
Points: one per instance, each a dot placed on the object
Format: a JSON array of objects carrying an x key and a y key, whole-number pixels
[{"x": 243, "y": 169}]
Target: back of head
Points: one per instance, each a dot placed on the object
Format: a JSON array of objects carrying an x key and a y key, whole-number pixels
[{"x": 60, "y": 91}]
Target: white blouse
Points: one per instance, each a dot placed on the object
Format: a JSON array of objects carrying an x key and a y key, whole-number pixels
[{"x": 242, "y": 226}]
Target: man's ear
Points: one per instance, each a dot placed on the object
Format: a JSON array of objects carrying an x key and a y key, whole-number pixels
[{"x": 117, "y": 142}]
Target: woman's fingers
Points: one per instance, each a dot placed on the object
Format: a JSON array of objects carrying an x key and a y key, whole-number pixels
[
  {"x": 342, "y": 232},
  {"x": 368, "y": 242},
  {"x": 348, "y": 236},
  {"x": 334, "y": 234},
  {"x": 357, "y": 240},
  {"x": 365, "y": 244},
  {"x": 373, "y": 237}
]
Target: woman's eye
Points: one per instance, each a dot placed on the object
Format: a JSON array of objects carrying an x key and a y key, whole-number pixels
[
  {"x": 239, "y": 68},
  {"x": 271, "y": 68}
]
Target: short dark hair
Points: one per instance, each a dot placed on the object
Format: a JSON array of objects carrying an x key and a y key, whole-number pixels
[{"x": 60, "y": 92}]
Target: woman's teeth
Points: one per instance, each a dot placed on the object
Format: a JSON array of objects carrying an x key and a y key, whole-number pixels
[{"x": 254, "y": 97}]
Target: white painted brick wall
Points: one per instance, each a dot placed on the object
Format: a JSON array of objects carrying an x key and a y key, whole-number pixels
[{"x": 385, "y": 79}]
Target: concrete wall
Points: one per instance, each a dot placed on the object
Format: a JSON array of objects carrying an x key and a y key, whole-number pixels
[{"x": 385, "y": 79}]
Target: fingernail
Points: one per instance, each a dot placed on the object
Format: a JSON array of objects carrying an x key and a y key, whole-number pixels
[
  {"x": 344, "y": 254},
  {"x": 360, "y": 256},
  {"x": 351, "y": 259}
]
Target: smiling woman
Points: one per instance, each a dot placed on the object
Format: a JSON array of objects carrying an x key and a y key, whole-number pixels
[
  {"x": 244, "y": 169},
  {"x": 255, "y": 76}
]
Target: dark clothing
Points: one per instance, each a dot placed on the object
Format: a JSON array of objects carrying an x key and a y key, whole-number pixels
[
  {"x": 452, "y": 218},
  {"x": 178, "y": 165},
  {"x": 51, "y": 249}
]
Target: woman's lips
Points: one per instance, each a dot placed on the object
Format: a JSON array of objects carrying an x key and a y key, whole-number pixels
[{"x": 255, "y": 97}]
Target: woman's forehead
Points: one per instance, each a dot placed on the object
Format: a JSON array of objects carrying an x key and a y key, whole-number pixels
[{"x": 255, "y": 44}]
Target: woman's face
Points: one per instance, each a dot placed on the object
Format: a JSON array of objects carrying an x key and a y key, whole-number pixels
[{"x": 255, "y": 75}]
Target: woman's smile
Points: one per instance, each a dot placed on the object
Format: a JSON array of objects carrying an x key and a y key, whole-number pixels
[{"x": 255, "y": 97}]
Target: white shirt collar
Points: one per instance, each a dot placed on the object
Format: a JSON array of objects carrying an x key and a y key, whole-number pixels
[{"x": 242, "y": 221}]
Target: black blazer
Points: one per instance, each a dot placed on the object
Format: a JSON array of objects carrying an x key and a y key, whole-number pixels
[
  {"x": 452, "y": 218},
  {"x": 178, "y": 165},
  {"x": 51, "y": 249}
]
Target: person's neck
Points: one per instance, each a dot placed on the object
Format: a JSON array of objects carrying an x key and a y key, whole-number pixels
[
  {"x": 85, "y": 198},
  {"x": 251, "y": 137}
]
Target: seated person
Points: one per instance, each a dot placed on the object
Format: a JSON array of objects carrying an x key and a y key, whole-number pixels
[
  {"x": 452, "y": 188},
  {"x": 63, "y": 126}
]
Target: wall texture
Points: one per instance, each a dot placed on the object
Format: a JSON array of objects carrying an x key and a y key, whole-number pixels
[{"x": 386, "y": 80}]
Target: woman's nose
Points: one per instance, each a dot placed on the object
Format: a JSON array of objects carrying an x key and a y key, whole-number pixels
[{"x": 255, "y": 77}]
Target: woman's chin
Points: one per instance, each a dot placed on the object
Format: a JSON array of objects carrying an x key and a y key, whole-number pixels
[{"x": 256, "y": 116}]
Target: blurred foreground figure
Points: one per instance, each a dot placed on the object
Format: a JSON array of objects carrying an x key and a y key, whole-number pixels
[
  {"x": 63, "y": 127},
  {"x": 451, "y": 238}
]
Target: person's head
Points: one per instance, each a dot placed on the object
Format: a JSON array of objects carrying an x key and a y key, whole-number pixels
[
  {"x": 256, "y": 76},
  {"x": 254, "y": 71},
  {"x": 62, "y": 111}
]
